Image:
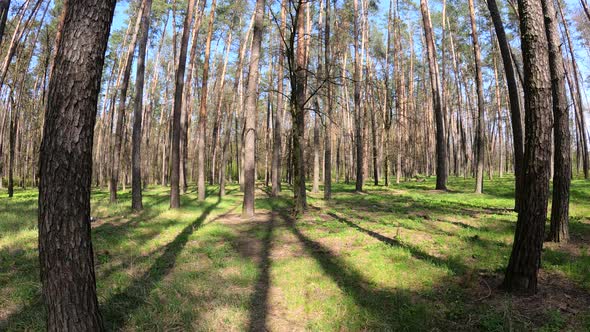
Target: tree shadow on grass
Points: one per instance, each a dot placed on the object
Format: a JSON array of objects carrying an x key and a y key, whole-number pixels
[
  {"x": 259, "y": 300},
  {"x": 455, "y": 266},
  {"x": 386, "y": 309},
  {"x": 120, "y": 306}
]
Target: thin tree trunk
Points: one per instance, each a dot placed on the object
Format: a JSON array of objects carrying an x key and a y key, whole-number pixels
[
  {"x": 441, "y": 149},
  {"x": 513, "y": 94},
  {"x": 277, "y": 128},
  {"x": 328, "y": 105},
  {"x": 177, "y": 111},
  {"x": 250, "y": 112},
  {"x": 4, "y": 7},
  {"x": 559, "y": 231},
  {"x": 203, "y": 109},
  {"x": 136, "y": 198},
  {"x": 121, "y": 109},
  {"x": 480, "y": 147}
]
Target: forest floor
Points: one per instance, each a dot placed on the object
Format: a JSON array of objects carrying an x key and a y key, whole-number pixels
[{"x": 403, "y": 258}]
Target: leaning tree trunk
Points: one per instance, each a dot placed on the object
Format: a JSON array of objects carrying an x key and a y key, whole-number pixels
[
  {"x": 65, "y": 247},
  {"x": 578, "y": 100},
  {"x": 136, "y": 199},
  {"x": 523, "y": 267},
  {"x": 480, "y": 148},
  {"x": 4, "y": 7},
  {"x": 250, "y": 112},
  {"x": 559, "y": 231},
  {"x": 513, "y": 95}
]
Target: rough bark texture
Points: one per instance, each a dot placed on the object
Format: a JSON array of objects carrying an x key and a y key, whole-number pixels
[
  {"x": 480, "y": 150},
  {"x": 250, "y": 112},
  {"x": 177, "y": 111},
  {"x": 65, "y": 247},
  {"x": 559, "y": 231},
  {"x": 136, "y": 200},
  {"x": 513, "y": 95},
  {"x": 298, "y": 83},
  {"x": 523, "y": 267},
  {"x": 441, "y": 148}
]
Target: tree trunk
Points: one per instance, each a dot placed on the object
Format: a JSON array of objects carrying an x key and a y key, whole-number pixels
[
  {"x": 250, "y": 112},
  {"x": 121, "y": 109},
  {"x": 136, "y": 199},
  {"x": 65, "y": 247},
  {"x": 513, "y": 94},
  {"x": 480, "y": 147},
  {"x": 578, "y": 99},
  {"x": 177, "y": 111},
  {"x": 4, "y": 7},
  {"x": 298, "y": 100},
  {"x": 357, "y": 102},
  {"x": 559, "y": 231},
  {"x": 11, "y": 143},
  {"x": 328, "y": 105},
  {"x": 521, "y": 274},
  {"x": 441, "y": 149},
  {"x": 203, "y": 109}
]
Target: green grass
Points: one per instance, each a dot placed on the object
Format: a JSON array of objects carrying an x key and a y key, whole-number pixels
[{"x": 403, "y": 258}]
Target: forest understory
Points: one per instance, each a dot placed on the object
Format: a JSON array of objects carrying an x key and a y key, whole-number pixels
[{"x": 402, "y": 258}]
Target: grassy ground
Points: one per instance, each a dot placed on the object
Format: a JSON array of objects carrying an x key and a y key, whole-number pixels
[{"x": 403, "y": 258}]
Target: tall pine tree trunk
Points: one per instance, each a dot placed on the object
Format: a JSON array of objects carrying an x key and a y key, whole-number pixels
[
  {"x": 523, "y": 267},
  {"x": 480, "y": 148},
  {"x": 250, "y": 112},
  {"x": 65, "y": 248},
  {"x": 201, "y": 146},
  {"x": 177, "y": 111},
  {"x": 441, "y": 148},
  {"x": 514, "y": 96},
  {"x": 559, "y": 231},
  {"x": 136, "y": 199}
]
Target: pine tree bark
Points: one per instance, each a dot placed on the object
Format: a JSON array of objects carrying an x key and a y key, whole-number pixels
[
  {"x": 480, "y": 148},
  {"x": 297, "y": 55},
  {"x": 441, "y": 148},
  {"x": 523, "y": 267},
  {"x": 559, "y": 230},
  {"x": 65, "y": 246},
  {"x": 250, "y": 112},
  {"x": 177, "y": 111},
  {"x": 201, "y": 146},
  {"x": 136, "y": 197},
  {"x": 514, "y": 96}
]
